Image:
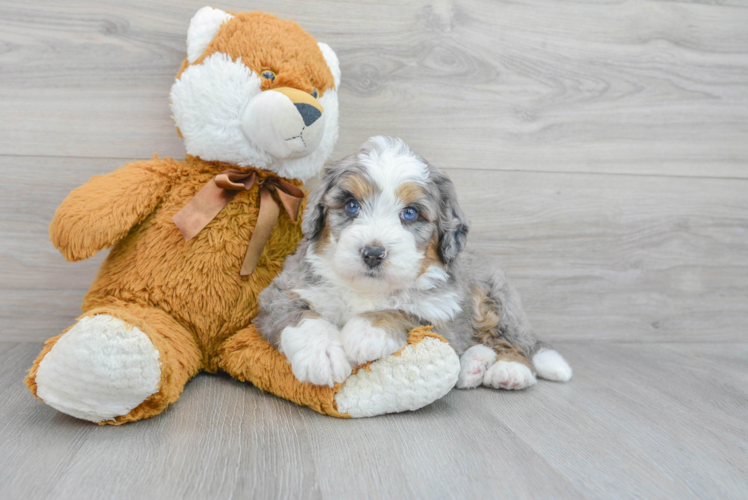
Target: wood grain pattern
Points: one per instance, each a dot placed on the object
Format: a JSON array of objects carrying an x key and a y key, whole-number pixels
[
  {"x": 595, "y": 257},
  {"x": 637, "y": 421},
  {"x": 599, "y": 149},
  {"x": 642, "y": 86}
]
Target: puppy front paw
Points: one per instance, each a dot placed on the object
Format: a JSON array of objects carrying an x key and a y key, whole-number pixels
[
  {"x": 364, "y": 342},
  {"x": 315, "y": 353}
]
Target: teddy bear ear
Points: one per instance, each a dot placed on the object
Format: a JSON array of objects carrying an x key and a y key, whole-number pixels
[
  {"x": 203, "y": 27},
  {"x": 331, "y": 58}
]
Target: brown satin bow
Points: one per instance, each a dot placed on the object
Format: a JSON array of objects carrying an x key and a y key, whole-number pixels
[{"x": 221, "y": 189}]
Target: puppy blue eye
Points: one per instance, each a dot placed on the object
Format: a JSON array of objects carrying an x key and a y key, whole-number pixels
[
  {"x": 409, "y": 213},
  {"x": 269, "y": 75},
  {"x": 352, "y": 207},
  {"x": 315, "y": 93}
]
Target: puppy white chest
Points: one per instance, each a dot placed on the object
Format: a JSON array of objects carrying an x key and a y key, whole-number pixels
[{"x": 338, "y": 305}]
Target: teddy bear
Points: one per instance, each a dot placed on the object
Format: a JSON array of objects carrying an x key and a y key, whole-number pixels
[{"x": 194, "y": 242}]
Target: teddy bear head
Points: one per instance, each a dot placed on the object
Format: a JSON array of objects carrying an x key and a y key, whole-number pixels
[{"x": 257, "y": 91}]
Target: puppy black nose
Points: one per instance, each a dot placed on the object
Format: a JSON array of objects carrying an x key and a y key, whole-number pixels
[
  {"x": 308, "y": 113},
  {"x": 373, "y": 255}
]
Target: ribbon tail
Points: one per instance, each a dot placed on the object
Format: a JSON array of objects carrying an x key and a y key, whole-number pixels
[
  {"x": 202, "y": 209},
  {"x": 269, "y": 211},
  {"x": 291, "y": 203}
]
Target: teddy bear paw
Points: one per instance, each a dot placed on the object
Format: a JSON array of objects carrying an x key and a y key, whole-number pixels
[
  {"x": 416, "y": 376},
  {"x": 100, "y": 369}
]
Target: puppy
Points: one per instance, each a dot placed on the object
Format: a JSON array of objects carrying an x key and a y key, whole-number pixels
[{"x": 384, "y": 252}]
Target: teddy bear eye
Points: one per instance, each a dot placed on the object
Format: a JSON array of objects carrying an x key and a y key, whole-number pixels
[
  {"x": 268, "y": 75},
  {"x": 315, "y": 93}
]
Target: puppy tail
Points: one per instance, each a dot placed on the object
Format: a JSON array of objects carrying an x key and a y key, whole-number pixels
[{"x": 550, "y": 365}]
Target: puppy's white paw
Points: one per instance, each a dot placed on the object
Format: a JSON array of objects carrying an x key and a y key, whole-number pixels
[
  {"x": 315, "y": 353},
  {"x": 364, "y": 342},
  {"x": 550, "y": 365},
  {"x": 473, "y": 365},
  {"x": 510, "y": 375}
]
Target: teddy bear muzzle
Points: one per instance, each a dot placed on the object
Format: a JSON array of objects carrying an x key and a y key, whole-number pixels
[{"x": 285, "y": 122}]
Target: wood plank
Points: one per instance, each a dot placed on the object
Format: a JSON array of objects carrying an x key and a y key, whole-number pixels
[
  {"x": 644, "y": 87},
  {"x": 645, "y": 407},
  {"x": 637, "y": 421},
  {"x": 594, "y": 256}
]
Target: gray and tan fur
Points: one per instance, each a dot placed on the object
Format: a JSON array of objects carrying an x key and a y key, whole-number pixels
[{"x": 384, "y": 251}]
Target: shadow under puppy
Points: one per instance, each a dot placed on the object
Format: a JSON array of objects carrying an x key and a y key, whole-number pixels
[{"x": 384, "y": 252}]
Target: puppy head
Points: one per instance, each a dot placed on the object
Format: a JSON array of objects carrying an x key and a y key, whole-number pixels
[{"x": 383, "y": 219}]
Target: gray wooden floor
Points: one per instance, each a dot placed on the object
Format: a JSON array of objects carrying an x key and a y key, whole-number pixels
[
  {"x": 663, "y": 421},
  {"x": 600, "y": 150}
]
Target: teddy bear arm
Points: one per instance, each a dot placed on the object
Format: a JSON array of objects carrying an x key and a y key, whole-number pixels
[
  {"x": 103, "y": 210},
  {"x": 420, "y": 373}
]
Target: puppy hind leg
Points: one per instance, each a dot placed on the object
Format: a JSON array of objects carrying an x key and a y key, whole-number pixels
[
  {"x": 512, "y": 370},
  {"x": 473, "y": 365}
]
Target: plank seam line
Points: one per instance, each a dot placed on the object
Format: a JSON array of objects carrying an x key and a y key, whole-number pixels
[{"x": 463, "y": 169}]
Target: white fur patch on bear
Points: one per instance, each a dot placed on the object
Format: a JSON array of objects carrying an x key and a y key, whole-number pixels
[
  {"x": 550, "y": 365},
  {"x": 418, "y": 376},
  {"x": 203, "y": 27},
  {"x": 100, "y": 369},
  {"x": 207, "y": 103},
  {"x": 331, "y": 58}
]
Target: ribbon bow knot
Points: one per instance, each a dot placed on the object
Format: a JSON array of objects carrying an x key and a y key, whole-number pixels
[{"x": 221, "y": 189}]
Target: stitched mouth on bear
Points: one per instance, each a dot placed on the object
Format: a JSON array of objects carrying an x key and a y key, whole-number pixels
[{"x": 287, "y": 123}]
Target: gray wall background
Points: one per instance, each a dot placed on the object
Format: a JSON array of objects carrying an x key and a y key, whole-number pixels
[{"x": 599, "y": 148}]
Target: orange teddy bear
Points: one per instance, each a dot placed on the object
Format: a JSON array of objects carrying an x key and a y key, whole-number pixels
[{"x": 195, "y": 241}]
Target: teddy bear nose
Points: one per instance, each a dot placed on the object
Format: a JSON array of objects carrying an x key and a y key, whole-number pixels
[{"x": 308, "y": 113}]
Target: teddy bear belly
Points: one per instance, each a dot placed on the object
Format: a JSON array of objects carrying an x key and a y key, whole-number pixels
[{"x": 196, "y": 282}]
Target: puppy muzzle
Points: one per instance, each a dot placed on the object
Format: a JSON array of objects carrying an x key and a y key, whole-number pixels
[{"x": 285, "y": 122}]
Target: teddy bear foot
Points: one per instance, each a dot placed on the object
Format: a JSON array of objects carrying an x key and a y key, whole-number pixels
[
  {"x": 419, "y": 374},
  {"x": 100, "y": 369}
]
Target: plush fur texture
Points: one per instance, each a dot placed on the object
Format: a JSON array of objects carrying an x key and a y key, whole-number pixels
[
  {"x": 187, "y": 297},
  {"x": 161, "y": 309},
  {"x": 384, "y": 251},
  {"x": 222, "y": 88},
  {"x": 102, "y": 353}
]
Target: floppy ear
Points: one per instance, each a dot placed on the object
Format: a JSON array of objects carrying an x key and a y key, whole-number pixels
[
  {"x": 203, "y": 27},
  {"x": 313, "y": 220},
  {"x": 452, "y": 225},
  {"x": 331, "y": 58}
]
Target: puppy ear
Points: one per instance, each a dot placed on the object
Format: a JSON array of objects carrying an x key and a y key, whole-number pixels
[
  {"x": 452, "y": 225},
  {"x": 313, "y": 220}
]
